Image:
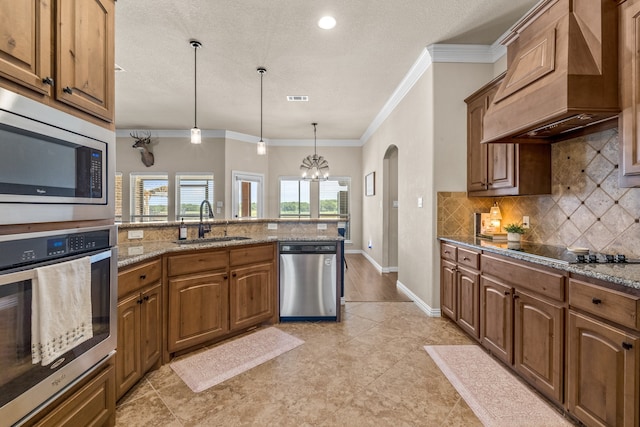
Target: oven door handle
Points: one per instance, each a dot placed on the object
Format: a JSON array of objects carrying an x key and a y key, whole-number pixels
[{"x": 100, "y": 256}]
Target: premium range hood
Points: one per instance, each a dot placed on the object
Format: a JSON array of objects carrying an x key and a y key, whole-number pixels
[{"x": 562, "y": 74}]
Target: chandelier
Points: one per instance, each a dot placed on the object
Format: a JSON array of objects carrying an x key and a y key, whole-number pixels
[{"x": 314, "y": 167}]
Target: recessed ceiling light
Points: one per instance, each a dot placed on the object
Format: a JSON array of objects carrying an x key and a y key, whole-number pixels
[{"x": 327, "y": 22}]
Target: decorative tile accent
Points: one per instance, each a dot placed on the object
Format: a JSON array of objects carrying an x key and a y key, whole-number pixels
[{"x": 581, "y": 210}]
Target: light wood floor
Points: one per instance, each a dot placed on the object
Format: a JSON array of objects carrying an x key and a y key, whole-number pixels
[{"x": 362, "y": 282}]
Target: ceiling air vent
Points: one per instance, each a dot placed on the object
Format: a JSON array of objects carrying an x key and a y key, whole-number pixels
[{"x": 297, "y": 98}]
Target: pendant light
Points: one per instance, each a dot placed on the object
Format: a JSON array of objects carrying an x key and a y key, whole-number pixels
[
  {"x": 196, "y": 135},
  {"x": 262, "y": 146},
  {"x": 314, "y": 167}
]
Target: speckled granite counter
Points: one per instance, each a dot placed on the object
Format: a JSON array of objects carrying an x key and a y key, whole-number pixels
[
  {"x": 133, "y": 252},
  {"x": 622, "y": 274}
]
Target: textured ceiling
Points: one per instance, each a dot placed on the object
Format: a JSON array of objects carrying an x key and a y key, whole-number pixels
[{"x": 348, "y": 72}]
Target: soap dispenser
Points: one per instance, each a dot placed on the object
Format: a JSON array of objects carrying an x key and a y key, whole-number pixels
[{"x": 183, "y": 231}]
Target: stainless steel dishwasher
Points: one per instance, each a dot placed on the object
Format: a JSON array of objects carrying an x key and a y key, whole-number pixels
[{"x": 308, "y": 278}]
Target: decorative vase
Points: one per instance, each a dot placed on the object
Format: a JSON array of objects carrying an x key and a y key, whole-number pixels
[{"x": 513, "y": 237}]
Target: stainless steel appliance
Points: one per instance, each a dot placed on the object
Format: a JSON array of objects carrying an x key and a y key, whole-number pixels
[
  {"x": 308, "y": 281},
  {"x": 24, "y": 384},
  {"x": 53, "y": 166}
]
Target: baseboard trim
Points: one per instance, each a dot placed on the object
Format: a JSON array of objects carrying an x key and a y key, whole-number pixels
[{"x": 431, "y": 312}]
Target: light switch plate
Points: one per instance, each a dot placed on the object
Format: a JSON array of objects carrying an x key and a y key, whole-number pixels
[{"x": 135, "y": 234}]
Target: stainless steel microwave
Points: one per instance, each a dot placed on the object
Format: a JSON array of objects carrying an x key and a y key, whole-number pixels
[{"x": 53, "y": 166}]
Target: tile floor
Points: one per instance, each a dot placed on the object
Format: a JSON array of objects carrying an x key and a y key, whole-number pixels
[{"x": 370, "y": 369}]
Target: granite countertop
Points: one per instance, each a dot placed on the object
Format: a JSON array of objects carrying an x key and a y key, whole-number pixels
[
  {"x": 134, "y": 252},
  {"x": 554, "y": 256}
]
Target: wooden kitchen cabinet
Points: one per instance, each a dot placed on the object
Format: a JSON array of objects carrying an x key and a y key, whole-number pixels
[
  {"x": 460, "y": 287},
  {"x": 629, "y": 84},
  {"x": 603, "y": 360},
  {"x": 522, "y": 317},
  {"x": 502, "y": 169},
  {"x": 139, "y": 324},
  {"x": 215, "y": 293},
  {"x": 77, "y": 75},
  {"x": 91, "y": 402}
]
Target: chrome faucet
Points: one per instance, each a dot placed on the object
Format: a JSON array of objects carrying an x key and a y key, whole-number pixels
[{"x": 204, "y": 228}]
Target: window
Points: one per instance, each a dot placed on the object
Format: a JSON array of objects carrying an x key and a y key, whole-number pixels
[
  {"x": 295, "y": 198},
  {"x": 149, "y": 197},
  {"x": 118, "y": 197},
  {"x": 191, "y": 190},
  {"x": 334, "y": 200},
  {"x": 247, "y": 200}
]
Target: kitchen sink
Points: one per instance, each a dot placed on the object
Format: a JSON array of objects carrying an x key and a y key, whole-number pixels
[{"x": 211, "y": 240}]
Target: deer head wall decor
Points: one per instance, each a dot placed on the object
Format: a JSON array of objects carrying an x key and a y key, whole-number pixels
[{"x": 142, "y": 143}]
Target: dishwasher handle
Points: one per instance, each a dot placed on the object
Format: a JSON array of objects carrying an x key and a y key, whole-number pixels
[{"x": 308, "y": 248}]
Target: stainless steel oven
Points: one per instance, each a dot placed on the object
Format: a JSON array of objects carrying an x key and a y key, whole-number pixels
[
  {"x": 30, "y": 378},
  {"x": 53, "y": 166}
]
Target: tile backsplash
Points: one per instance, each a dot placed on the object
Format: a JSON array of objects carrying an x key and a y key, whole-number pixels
[{"x": 586, "y": 208}]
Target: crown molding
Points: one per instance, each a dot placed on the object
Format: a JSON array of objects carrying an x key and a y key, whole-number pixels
[
  {"x": 171, "y": 133},
  {"x": 320, "y": 142},
  {"x": 468, "y": 53}
]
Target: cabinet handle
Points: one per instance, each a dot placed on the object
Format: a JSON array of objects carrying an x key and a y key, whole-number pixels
[
  {"x": 447, "y": 252},
  {"x": 143, "y": 276},
  {"x": 146, "y": 298},
  {"x": 507, "y": 292},
  {"x": 68, "y": 90},
  {"x": 465, "y": 258},
  {"x": 627, "y": 346},
  {"x": 596, "y": 301},
  {"x": 48, "y": 81},
  {"x": 139, "y": 301},
  {"x": 516, "y": 296}
]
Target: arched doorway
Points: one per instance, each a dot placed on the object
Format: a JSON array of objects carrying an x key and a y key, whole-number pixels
[{"x": 390, "y": 210}]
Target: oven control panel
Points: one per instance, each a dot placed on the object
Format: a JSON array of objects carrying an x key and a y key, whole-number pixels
[{"x": 31, "y": 250}]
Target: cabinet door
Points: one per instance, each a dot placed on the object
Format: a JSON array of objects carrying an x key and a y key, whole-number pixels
[
  {"x": 629, "y": 122},
  {"x": 496, "y": 318},
  {"x": 468, "y": 291},
  {"x": 448, "y": 289},
  {"x": 251, "y": 295},
  {"x": 198, "y": 309},
  {"x": 151, "y": 327},
  {"x": 603, "y": 363},
  {"x": 85, "y": 56},
  {"x": 501, "y": 166},
  {"x": 128, "y": 369},
  {"x": 476, "y": 152},
  {"x": 538, "y": 343},
  {"x": 25, "y": 44}
]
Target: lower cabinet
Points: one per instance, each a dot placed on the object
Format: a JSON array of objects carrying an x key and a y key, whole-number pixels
[
  {"x": 496, "y": 314},
  {"x": 602, "y": 378},
  {"x": 90, "y": 403},
  {"x": 198, "y": 309},
  {"x": 215, "y": 293},
  {"x": 139, "y": 323}
]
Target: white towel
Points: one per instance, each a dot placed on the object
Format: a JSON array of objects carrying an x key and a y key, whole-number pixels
[{"x": 60, "y": 309}]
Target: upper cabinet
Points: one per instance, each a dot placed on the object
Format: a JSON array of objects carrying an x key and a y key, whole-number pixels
[
  {"x": 562, "y": 74},
  {"x": 629, "y": 125},
  {"x": 502, "y": 169},
  {"x": 77, "y": 76}
]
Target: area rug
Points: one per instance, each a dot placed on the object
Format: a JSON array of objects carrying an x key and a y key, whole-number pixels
[
  {"x": 494, "y": 394},
  {"x": 213, "y": 366}
]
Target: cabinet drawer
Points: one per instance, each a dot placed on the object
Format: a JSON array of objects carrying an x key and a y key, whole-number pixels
[
  {"x": 139, "y": 276},
  {"x": 448, "y": 251},
  {"x": 525, "y": 275},
  {"x": 609, "y": 304},
  {"x": 469, "y": 258},
  {"x": 251, "y": 254},
  {"x": 197, "y": 262}
]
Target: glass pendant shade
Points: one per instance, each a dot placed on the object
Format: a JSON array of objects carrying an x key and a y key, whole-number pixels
[
  {"x": 314, "y": 167},
  {"x": 196, "y": 136},
  {"x": 262, "y": 148}
]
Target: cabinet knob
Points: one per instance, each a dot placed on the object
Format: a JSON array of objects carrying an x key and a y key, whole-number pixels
[
  {"x": 627, "y": 346},
  {"x": 233, "y": 274},
  {"x": 226, "y": 277},
  {"x": 48, "y": 81},
  {"x": 143, "y": 276},
  {"x": 596, "y": 301},
  {"x": 68, "y": 90},
  {"x": 447, "y": 252}
]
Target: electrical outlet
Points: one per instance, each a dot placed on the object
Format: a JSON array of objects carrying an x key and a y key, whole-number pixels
[
  {"x": 272, "y": 226},
  {"x": 525, "y": 222},
  {"x": 135, "y": 234},
  {"x": 322, "y": 226}
]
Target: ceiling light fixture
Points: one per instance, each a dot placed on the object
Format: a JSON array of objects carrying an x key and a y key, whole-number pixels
[
  {"x": 262, "y": 146},
  {"x": 196, "y": 135},
  {"x": 314, "y": 167},
  {"x": 327, "y": 22}
]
